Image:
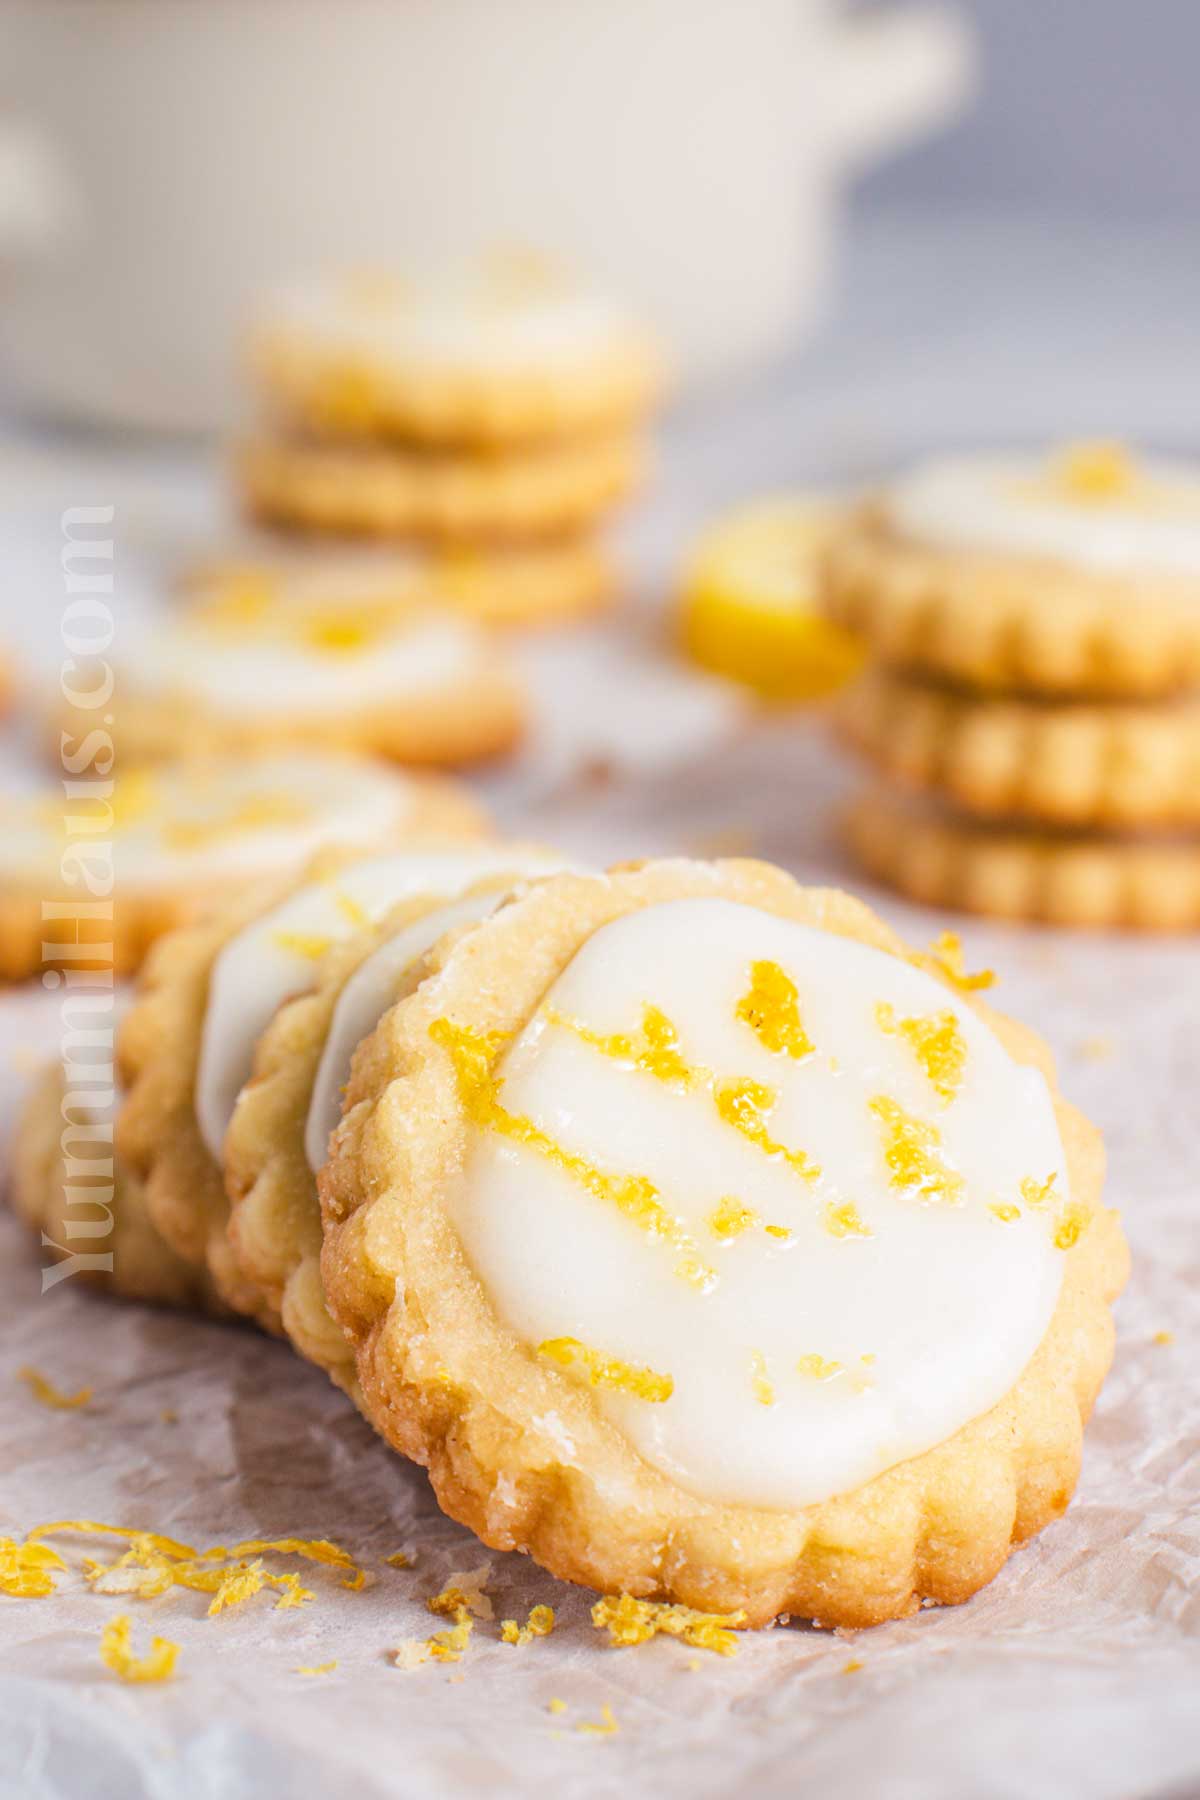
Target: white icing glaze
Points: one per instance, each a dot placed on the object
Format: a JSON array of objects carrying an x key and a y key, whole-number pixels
[
  {"x": 180, "y": 823},
  {"x": 948, "y": 1300},
  {"x": 459, "y": 322},
  {"x": 371, "y": 990},
  {"x": 277, "y": 955},
  {"x": 274, "y": 667},
  {"x": 323, "y": 577},
  {"x": 1014, "y": 505}
]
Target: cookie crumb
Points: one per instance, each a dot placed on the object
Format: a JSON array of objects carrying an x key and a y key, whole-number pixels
[
  {"x": 448, "y": 1646},
  {"x": 465, "y": 1591},
  {"x": 116, "y": 1654},
  {"x": 947, "y": 952},
  {"x": 605, "y": 1726},
  {"x": 629, "y": 1621},
  {"x": 27, "y": 1570},
  {"x": 45, "y": 1392},
  {"x": 540, "y": 1623}
]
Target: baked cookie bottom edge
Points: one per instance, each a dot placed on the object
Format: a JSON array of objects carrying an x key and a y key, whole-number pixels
[
  {"x": 1072, "y": 763},
  {"x": 366, "y": 399},
  {"x": 1011, "y": 622},
  {"x": 385, "y": 493},
  {"x": 143, "y": 1267},
  {"x": 1012, "y": 872}
]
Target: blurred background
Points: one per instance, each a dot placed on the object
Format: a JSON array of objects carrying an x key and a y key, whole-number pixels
[
  {"x": 979, "y": 218},
  {"x": 863, "y": 230},
  {"x": 1032, "y": 271}
]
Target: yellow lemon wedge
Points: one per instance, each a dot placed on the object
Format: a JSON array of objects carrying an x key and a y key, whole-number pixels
[{"x": 748, "y": 605}]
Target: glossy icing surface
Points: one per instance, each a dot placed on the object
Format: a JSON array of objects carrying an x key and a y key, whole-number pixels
[
  {"x": 279, "y": 954},
  {"x": 1094, "y": 508},
  {"x": 181, "y": 823},
  {"x": 510, "y": 313},
  {"x": 782, "y": 1201},
  {"x": 372, "y": 988},
  {"x": 247, "y": 651}
]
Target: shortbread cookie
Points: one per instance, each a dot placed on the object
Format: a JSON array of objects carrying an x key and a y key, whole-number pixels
[
  {"x": 1078, "y": 763},
  {"x": 389, "y": 491},
  {"x": 91, "y": 1216},
  {"x": 187, "y": 1046},
  {"x": 707, "y": 1246},
  {"x": 1143, "y": 883},
  {"x": 749, "y": 606},
  {"x": 502, "y": 354},
  {"x": 417, "y": 685},
  {"x": 1076, "y": 575},
  {"x": 112, "y": 863},
  {"x": 555, "y": 581},
  {"x": 502, "y": 585},
  {"x": 277, "y": 1136}
]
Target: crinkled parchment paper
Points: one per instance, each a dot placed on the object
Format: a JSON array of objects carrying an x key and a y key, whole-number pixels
[{"x": 1077, "y": 1672}]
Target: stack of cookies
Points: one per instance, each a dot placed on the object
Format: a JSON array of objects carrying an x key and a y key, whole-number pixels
[
  {"x": 1033, "y": 701},
  {"x": 432, "y": 467},
  {"x": 496, "y": 411}
]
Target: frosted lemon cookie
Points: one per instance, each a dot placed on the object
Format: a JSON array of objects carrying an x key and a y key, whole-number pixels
[
  {"x": 533, "y": 584},
  {"x": 91, "y": 1218},
  {"x": 1077, "y": 573},
  {"x": 749, "y": 603},
  {"x": 441, "y": 495},
  {"x": 1143, "y": 882},
  {"x": 1075, "y": 762},
  {"x": 283, "y": 1115},
  {"x": 232, "y": 672},
  {"x": 113, "y": 862},
  {"x": 499, "y": 354},
  {"x": 707, "y": 1246},
  {"x": 208, "y": 992}
]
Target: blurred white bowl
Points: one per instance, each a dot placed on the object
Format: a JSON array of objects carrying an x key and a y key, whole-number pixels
[{"x": 170, "y": 160}]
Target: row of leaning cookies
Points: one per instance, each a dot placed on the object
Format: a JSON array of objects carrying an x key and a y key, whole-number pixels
[
  {"x": 617, "y": 1201},
  {"x": 1032, "y": 701}
]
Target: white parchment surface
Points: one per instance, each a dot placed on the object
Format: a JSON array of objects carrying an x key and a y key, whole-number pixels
[{"x": 1076, "y": 1673}]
